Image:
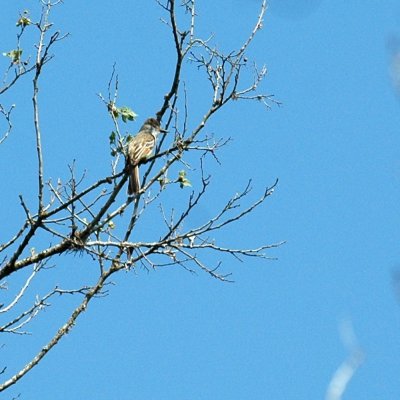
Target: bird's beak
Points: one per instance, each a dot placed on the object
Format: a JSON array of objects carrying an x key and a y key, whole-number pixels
[{"x": 163, "y": 130}]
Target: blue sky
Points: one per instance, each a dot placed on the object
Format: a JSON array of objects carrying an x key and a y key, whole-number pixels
[{"x": 333, "y": 144}]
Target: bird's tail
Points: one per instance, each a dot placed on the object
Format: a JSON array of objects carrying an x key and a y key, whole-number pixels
[{"x": 134, "y": 180}]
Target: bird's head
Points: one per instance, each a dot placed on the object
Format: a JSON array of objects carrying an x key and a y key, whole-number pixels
[{"x": 153, "y": 125}]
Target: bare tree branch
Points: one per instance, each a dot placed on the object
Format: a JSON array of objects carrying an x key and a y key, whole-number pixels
[{"x": 96, "y": 220}]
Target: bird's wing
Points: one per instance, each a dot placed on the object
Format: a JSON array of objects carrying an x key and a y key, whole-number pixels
[{"x": 140, "y": 147}]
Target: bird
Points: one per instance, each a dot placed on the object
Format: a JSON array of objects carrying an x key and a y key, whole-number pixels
[{"x": 139, "y": 148}]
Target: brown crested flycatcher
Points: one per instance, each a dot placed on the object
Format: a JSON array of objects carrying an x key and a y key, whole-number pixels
[{"x": 139, "y": 148}]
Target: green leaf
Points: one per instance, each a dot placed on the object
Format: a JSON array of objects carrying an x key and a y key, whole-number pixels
[
  {"x": 111, "y": 224},
  {"x": 112, "y": 137},
  {"x": 15, "y": 55},
  {"x": 24, "y": 20},
  {"x": 127, "y": 114},
  {"x": 183, "y": 181}
]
